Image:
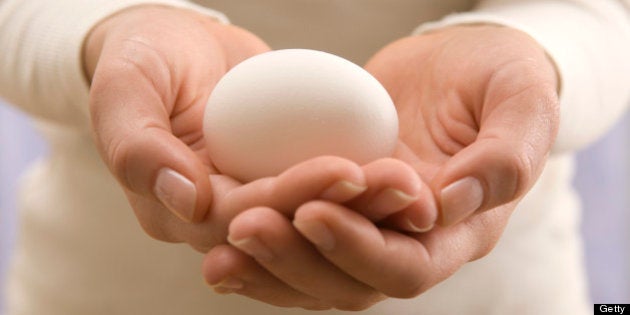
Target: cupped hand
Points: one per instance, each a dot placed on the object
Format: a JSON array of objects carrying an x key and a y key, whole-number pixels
[
  {"x": 478, "y": 113},
  {"x": 152, "y": 70}
]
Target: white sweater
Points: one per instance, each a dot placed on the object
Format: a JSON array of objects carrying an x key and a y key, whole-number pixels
[{"x": 81, "y": 251}]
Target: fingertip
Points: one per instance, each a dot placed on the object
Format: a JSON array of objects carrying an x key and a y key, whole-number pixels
[
  {"x": 177, "y": 193},
  {"x": 390, "y": 200},
  {"x": 489, "y": 173},
  {"x": 460, "y": 199},
  {"x": 394, "y": 173},
  {"x": 420, "y": 217},
  {"x": 249, "y": 222},
  {"x": 317, "y": 233},
  {"x": 393, "y": 185},
  {"x": 338, "y": 168},
  {"x": 326, "y": 177},
  {"x": 311, "y": 210},
  {"x": 204, "y": 195},
  {"x": 417, "y": 228},
  {"x": 216, "y": 263},
  {"x": 343, "y": 191},
  {"x": 188, "y": 199}
]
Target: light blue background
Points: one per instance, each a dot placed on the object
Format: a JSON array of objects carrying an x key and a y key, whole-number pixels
[
  {"x": 603, "y": 179},
  {"x": 20, "y": 145}
]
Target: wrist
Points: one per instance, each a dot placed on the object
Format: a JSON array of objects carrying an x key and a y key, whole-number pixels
[
  {"x": 126, "y": 20},
  {"x": 524, "y": 38}
]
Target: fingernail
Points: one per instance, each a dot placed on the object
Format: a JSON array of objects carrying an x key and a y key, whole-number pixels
[
  {"x": 391, "y": 200},
  {"x": 316, "y": 232},
  {"x": 460, "y": 199},
  {"x": 413, "y": 228},
  {"x": 176, "y": 192},
  {"x": 342, "y": 191},
  {"x": 228, "y": 285},
  {"x": 253, "y": 247}
]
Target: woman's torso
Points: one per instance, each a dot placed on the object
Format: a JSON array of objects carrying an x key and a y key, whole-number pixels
[{"x": 81, "y": 250}]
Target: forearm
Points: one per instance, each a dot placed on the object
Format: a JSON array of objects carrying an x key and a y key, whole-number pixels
[
  {"x": 41, "y": 58},
  {"x": 590, "y": 43}
]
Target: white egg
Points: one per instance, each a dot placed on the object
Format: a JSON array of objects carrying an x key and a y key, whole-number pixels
[{"x": 283, "y": 107}]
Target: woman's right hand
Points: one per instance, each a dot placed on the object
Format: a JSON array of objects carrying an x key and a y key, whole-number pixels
[{"x": 152, "y": 69}]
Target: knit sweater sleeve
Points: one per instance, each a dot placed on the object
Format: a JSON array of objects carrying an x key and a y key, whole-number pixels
[
  {"x": 589, "y": 41},
  {"x": 40, "y": 53}
]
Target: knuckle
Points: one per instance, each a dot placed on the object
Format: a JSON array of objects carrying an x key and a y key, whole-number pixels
[
  {"x": 136, "y": 58},
  {"x": 408, "y": 287},
  {"x": 486, "y": 229},
  {"x": 483, "y": 250},
  {"x": 117, "y": 155},
  {"x": 361, "y": 303},
  {"x": 312, "y": 208},
  {"x": 326, "y": 166},
  {"x": 485, "y": 242},
  {"x": 526, "y": 165},
  {"x": 409, "y": 282},
  {"x": 157, "y": 231},
  {"x": 389, "y": 161},
  {"x": 202, "y": 243},
  {"x": 334, "y": 164},
  {"x": 523, "y": 168},
  {"x": 125, "y": 152},
  {"x": 512, "y": 170},
  {"x": 353, "y": 306},
  {"x": 317, "y": 307},
  {"x": 155, "y": 221}
]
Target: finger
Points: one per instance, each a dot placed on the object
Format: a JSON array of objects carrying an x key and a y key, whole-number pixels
[
  {"x": 396, "y": 192},
  {"x": 270, "y": 238},
  {"x": 325, "y": 177},
  {"x": 449, "y": 248},
  {"x": 398, "y": 265},
  {"x": 392, "y": 263},
  {"x": 419, "y": 217},
  {"x": 229, "y": 270},
  {"x": 130, "y": 104},
  {"x": 516, "y": 132}
]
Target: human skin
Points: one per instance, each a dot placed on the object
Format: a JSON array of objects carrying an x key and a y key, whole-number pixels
[
  {"x": 478, "y": 111},
  {"x": 149, "y": 87}
]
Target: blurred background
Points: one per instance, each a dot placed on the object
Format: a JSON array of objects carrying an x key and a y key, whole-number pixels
[{"x": 603, "y": 179}]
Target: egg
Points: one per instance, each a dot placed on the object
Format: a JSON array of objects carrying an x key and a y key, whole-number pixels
[{"x": 280, "y": 108}]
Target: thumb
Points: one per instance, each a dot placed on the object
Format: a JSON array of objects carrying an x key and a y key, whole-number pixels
[
  {"x": 485, "y": 175},
  {"x": 506, "y": 158},
  {"x": 132, "y": 130}
]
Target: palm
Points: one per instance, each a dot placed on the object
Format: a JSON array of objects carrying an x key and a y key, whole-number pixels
[
  {"x": 472, "y": 87},
  {"x": 436, "y": 119},
  {"x": 164, "y": 78},
  {"x": 201, "y": 75}
]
